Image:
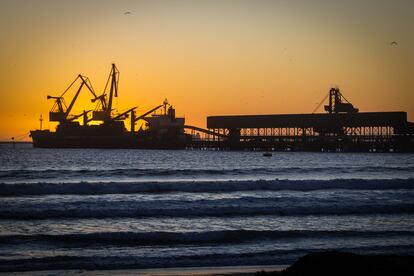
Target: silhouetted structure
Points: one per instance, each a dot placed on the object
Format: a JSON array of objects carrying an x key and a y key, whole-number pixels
[
  {"x": 342, "y": 128},
  {"x": 164, "y": 131}
]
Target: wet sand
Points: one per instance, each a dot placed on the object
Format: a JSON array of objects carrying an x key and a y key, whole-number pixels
[{"x": 176, "y": 271}]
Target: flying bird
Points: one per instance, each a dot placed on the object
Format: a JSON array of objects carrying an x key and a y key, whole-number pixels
[
  {"x": 127, "y": 13},
  {"x": 394, "y": 43}
]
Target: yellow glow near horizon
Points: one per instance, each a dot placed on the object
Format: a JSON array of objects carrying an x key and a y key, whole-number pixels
[{"x": 206, "y": 57}]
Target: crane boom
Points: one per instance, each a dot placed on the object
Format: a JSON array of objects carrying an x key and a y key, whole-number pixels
[
  {"x": 79, "y": 115},
  {"x": 135, "y": 119},
  {"x": 124, "y": 113},
  {"x": 74, "y": 98},
  {"x": 148, "y": 112}
]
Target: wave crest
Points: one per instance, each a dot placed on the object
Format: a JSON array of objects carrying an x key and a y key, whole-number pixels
[{"x": 98, "y": 188}]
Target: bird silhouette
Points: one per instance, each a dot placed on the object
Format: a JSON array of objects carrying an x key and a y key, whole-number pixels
[
  {"x": 127, "y": 13},
  {"x": 394, "y": 43}
]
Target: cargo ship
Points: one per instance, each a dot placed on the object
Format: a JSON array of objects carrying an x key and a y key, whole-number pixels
[{"x": 160, "y": 130}]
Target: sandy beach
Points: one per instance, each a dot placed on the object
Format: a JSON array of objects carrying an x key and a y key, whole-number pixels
[{"x": 175, "y": 271}]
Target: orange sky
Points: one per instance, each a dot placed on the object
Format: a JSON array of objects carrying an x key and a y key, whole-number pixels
[{"x": 206, "y": 57}]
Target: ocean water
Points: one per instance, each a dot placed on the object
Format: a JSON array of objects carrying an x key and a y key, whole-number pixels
[{"x": 115, "y": 209}]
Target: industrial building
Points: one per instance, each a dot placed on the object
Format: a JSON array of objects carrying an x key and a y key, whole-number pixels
[{"x": 342, "y": 128}]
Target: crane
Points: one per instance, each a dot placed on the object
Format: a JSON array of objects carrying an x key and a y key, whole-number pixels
[
  {"x": 124, "y": 114},
  {"x": 85, "y": 117},
  {"x": 103, "y": 111},
  {"x": 104, "y": 108},
  {"x": 135, "y": 119},
  {"x": 57, "y": 113},
  {"x": 337, "y": 103},
  {"x": 60, "y": 112}
]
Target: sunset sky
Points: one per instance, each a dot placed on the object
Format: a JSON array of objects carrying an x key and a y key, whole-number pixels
[{"x": 206, "y": 57}]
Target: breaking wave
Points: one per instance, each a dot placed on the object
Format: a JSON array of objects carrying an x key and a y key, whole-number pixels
[
  {"x": 173, "y": 238},
  {"x": 222, "y": 208},
  {"x": 191, "y": 186},
  {"x": 51, "y": 173}
]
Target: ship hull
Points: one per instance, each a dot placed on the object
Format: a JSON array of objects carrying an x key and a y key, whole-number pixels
[{"x": 46, "y": 139}]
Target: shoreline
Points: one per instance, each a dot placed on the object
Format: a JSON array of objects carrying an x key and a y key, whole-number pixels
[
  {"x": 173, "y": 271},
  {"x": 317, "y": 263}
]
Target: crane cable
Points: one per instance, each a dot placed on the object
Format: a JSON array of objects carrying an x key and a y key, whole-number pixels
[
  {"x": 21, "y": 136},
  {"x": 344, "y": 98},
  {"x": 73, "y": 82},
  {"x": 319, "y": 105}
]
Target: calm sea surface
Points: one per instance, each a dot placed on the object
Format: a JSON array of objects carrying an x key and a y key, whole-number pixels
[{"x": 103, "y": 209}]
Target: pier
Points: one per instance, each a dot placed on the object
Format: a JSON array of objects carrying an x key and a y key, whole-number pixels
[{"x": 342, "y": 128}]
